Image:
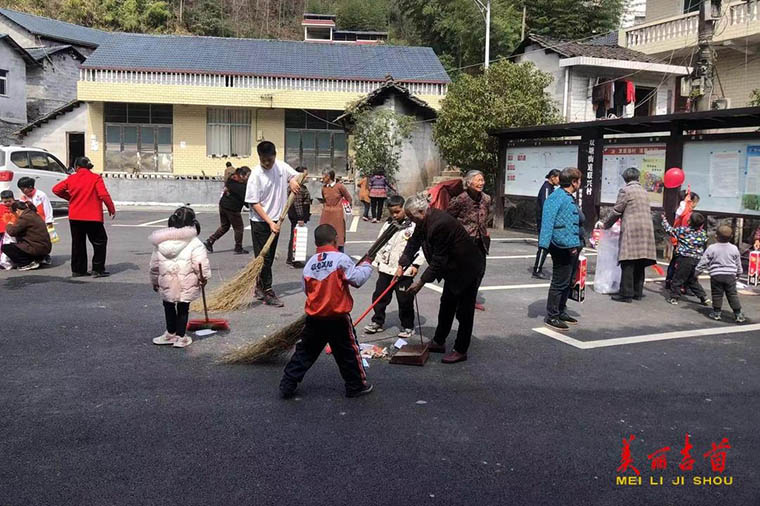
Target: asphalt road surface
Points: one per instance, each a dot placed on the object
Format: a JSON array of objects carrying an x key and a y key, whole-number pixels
[{"x": 92, "y": 413}]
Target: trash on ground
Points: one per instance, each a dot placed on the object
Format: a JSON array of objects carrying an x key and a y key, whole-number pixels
[{"x": 204, "y": 332}]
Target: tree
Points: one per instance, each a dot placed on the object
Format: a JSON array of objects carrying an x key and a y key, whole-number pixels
[
  {"x": 378, "y": 135},
  {"x": 362, "y": 15},
  {"x": 573, "y": 19},
  {"x": 507, "y": 95}
]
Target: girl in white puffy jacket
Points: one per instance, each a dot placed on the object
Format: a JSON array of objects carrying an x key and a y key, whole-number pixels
[{"x": 175, "y": 268}]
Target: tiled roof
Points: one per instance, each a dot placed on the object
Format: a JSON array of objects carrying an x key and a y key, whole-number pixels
[
  {"x": 57, "y": 30},
  {"x": 7, "y": 39},
  {"x": 595, "y": 49},
  {"x": 39, "y": 53},
  {"x": 378, "y": 96},
  {"x": 173, "y": 53}
]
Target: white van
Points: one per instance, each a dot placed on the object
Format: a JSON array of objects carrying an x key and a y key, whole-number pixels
[{"x": 22, "y": 161}]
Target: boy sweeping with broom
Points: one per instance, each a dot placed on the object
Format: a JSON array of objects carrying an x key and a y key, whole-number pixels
[{"x": 326, "y": 279}]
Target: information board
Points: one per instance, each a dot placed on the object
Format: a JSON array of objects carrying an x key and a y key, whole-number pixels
[
  {"x": 725, "y": 174},
  {"x": 648, "y": 158},
  {"x": 527, "y": 166}
]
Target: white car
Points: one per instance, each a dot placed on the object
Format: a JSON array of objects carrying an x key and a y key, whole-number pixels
[{"x": 22, "y": 161}]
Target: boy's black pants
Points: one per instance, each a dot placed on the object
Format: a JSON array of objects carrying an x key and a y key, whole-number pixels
[
  {"x": 405, "y": 300},
  {"x": 724, "y": 283},
  {"x": 317, "y": 332},
  {"x": 260, "y": 234},
  {"x": 686, "y": 276},
  {"x": 81, "y": 231},
  {"x": 176, "y": 317}
]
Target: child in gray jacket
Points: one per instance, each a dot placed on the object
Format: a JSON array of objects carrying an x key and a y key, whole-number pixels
[{"x": 723, "y": 262}]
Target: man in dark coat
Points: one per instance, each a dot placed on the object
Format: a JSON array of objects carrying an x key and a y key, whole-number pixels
[
  {"x": 552, "y": 180},
  {"x": 230, "y": 205},
  {"x": 452, "y": 256}
]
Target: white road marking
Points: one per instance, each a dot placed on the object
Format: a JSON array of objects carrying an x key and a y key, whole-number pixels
[
  {"x": 360, "y": 242},
  {"x": 494, "y": 288},
  {"x": 513, "y": 239},
  {"x": 354, "y": 224},
  {"x": 138, "y": 226},
  {"x": 619, "y": 341},
  {"x": 147, "y": 224},
  {"x": 515, "y": 257}
]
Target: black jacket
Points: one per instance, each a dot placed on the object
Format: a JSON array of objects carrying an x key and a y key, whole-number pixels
[
  {"x": 234, "y": 198},
  {"x": 546, "y": 189},
  {"x": 449, "y": 250}
]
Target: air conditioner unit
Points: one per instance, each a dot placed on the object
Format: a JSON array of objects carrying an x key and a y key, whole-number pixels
[{"x": 721, "y": 103}]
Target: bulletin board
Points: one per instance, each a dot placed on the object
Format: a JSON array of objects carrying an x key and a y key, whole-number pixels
[
  {"x": 527, "y": 166},
  {"x": 648, "y": 158},
  {"x": 725, "y": 174}
]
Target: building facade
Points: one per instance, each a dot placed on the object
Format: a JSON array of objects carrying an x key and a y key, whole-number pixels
[
  {"x": 671, "y": 29},
  {"x": 187, "y": 105}
]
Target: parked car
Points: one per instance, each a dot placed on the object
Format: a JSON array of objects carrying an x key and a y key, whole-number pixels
[{"x": 22, "y": 161}]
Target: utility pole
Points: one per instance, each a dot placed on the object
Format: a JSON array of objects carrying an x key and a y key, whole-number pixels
[
  {"x": 704, "y": 70},
  {"x": 485, "y": 11},
  {"x": 525, "y": 14}
]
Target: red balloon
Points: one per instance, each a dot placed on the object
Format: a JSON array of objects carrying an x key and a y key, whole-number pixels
[{"x": 674, "y": 178}]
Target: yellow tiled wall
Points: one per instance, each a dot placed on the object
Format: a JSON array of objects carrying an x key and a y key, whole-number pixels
[{"x": 94, "y": 137}]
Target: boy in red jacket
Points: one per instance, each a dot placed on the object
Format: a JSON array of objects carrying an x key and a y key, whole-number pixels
[
  {"x": 326, "y": 279},
  {"x": 86, "y": 194}
]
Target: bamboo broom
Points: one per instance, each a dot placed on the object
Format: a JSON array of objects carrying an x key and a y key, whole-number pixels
[
  {"x": 274, "y": 345},
  {"x": 239, "y": 291}
]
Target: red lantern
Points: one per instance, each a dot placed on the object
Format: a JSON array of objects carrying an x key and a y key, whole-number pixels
[{"x": 674, "y": 178}]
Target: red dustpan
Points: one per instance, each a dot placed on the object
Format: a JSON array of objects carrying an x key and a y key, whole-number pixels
[{"x": 208, "y": 323}]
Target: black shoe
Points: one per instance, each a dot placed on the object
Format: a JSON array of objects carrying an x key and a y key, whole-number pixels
[
  {"x": 620, "y": 298},
  {"x": 539, "y": 275},
  {"x": 556, "y": 324},
  {"x": 100, "y": 274},
  {"x": 638, "y": 297},
  {"x": 209, "y": 246},
  {"x": 241, "y": 251},
  {"x": 79, "y": 274},
  {"x": 434, "y": 347},
  {"x": 298, "y": 265},
  {"x": 287, "y": 393},
  {"x": 568, "y": 319},
  {"x": 358, "y": 393}
]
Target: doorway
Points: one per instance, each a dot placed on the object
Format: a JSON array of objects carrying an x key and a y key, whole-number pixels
[
  {"x": 645, "y": 99},
  {"x": 75, "y": 146}
]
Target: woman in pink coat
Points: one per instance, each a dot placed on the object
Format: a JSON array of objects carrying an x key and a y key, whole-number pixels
[{"x": 175, "y": 272}]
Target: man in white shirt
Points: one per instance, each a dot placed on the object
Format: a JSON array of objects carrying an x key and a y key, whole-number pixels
[{"x": 267, "y": 193}]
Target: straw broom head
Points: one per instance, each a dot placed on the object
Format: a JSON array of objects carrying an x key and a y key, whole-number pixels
[
  {"x": 267, "y": 348},
  {"x": 238, "y": 292}
]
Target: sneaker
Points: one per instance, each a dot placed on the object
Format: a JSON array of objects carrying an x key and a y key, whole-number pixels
[
  {"x": 715, "y": 315},
  {"x": 298, "y": 265},
  {"x": 365, "y": 218},
  {"x": 183, "y": 342},
  {"x": 100, "y": 274},
  {"x": 270, "y": 299},
  {"x": 374, "y": 220},
  {"x": 704, "y": 301},
  {"x": 556, "y": 324},
  {"x": 241, "y": 251},
  {"x": 539, "y": 275},
  {"x": 740, "y": 317},
  {"x": 209, "y": 246},
  {"x": 358, "y": 393},
  {"x": 406, "y": 333},
  {"x": 568, "y": 319},
  {"x": 165, "y": 338},
  {"x": 79, "y": 274},
  {"x": 673, "y": 301},
  {"x": 373, "y": 328},
  {"x": 29, "y": 266},
  {"x": 46, "y": 261}
]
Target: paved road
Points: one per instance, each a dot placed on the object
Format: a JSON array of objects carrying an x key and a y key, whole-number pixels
[{"x": 93, "y": 413}]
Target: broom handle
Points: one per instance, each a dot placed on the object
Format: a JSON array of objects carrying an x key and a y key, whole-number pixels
[
  {"x": 288, "y": 204},
  {"x": 203, "y": 291},
  {"x": 391, "y": 285}
]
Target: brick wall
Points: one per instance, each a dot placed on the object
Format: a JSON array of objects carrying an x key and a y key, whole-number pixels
[{"x": 52, "y": 85}]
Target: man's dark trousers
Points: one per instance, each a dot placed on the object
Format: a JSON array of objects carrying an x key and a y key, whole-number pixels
[
  {"x": 564, "y": 263},
  {"x": 457, "y": 300},
  {"x": 229, "y": 218},
  {"x": 81, "y": 231},
  {"x": 317, "y": 332},
  {"x": 260, "y": 232},
  {"x": 632, "y": 274},
  {"x": 724, "y": 283},
  {"x": 405, "y": 300}
]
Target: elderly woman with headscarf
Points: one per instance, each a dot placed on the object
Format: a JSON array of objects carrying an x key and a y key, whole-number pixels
[{"x": 472, "y": 208}]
